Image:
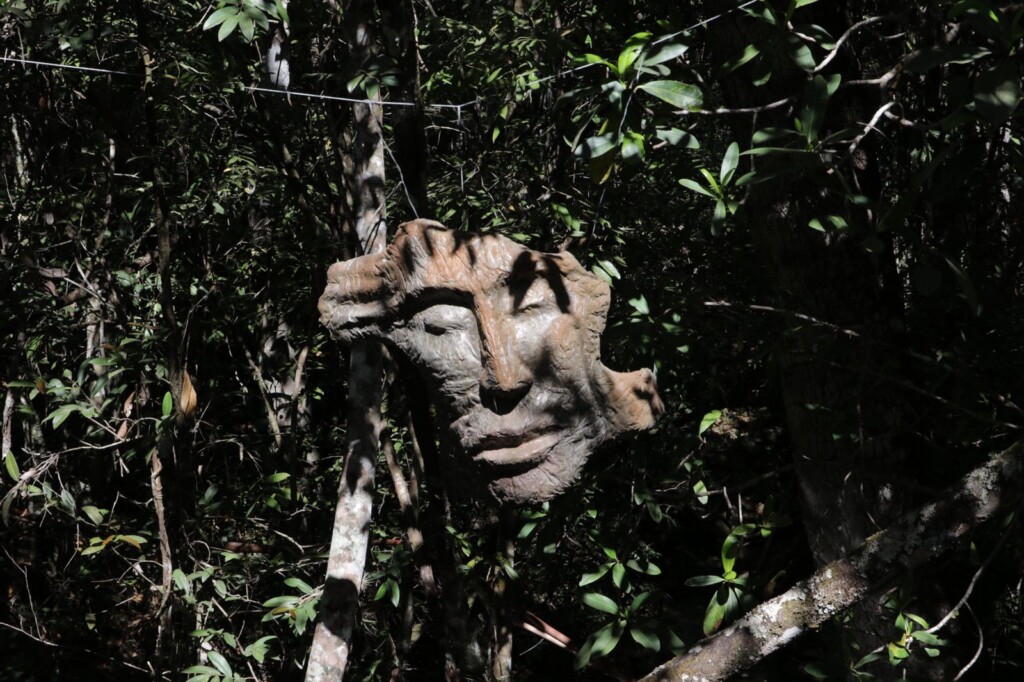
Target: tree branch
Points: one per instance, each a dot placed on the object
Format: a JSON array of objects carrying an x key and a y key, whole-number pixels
[{"x": 919, "y": 537}]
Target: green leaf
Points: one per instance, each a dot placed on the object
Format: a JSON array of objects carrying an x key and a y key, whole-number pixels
[
  {"x": 618, "y": 573},
  {"x": 94, "y": 514},
  {"x": 896, "y": 652},
  {"x": 693, "y": 186},
  {"x": 815, "y": 671},
  {"x": 607, "y": 638},
  {"x": 219, "y": 16},
  {"x": 596, "y": 575},
  {"x": 181, "y": 582},
  {"x": 633, "y": 148},
  {"x": 675, "y": 136},
  {"x": 928, "y": 58},
  {"x": 729, "y": 550},
  {"x": 997, "y": 93},
  {"x": 712, "y": 182},
  {"x": 714, "y": 615},
  {"x": 220, "y": 663},
  {"x": 610, "y": 268},
  {"x": 708, "y": 421},
  {"x": 596, "y": 146},
  {"x": 680, "y": 95},
  {"x": 382, "y": 592},
  {"x": 11, "y": 465},
  {"x": 638, "y": 601},
  {"x": 815, "y": 104},
  {"x": 663, "y": 52},
  {"x": 627, "y": 57},
  {"x": 168, "y": 404},
  {"x": 868, "y": 658},
  {"x": 246, "y": 24},
  {"x": 704, "y": 580},
  {"x": 800, "y": 53},
  {"x": 749, "y": 52},
  {"x": 584, "y": 655},
  {"x": 600, "y": 602},
  {"x": 646, "y": 639},
  {"x": 299, "y": 584},
  {"x": 61, "y": 414},
  {"x": 640, "y": 305},
  {"x": 700, "y": 490},
  {"x": 927, "y": 638},
  {"x": 594, "y": 59},
  {"x": 227, "y": 26},
  {"x": 720, "y": 211},
  {"x": 201, "y": 669},
  {"x": 258, "y": 649},
  {"x": 282, "y": 12},
  {"x": 729, "y": 163}
]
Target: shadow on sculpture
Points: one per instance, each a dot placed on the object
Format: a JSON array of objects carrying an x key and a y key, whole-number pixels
[{"x": 508, "y": 341}]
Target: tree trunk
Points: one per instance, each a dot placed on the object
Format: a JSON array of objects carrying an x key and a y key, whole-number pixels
[{"x": 329, "y": 654}]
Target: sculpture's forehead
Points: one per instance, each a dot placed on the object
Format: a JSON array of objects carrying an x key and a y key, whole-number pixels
[
  {"x": 444, "y": 260},
  {"x": 478, "y": 264}
]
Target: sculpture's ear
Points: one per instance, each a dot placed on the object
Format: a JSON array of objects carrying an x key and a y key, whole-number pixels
[
  {"x": 633, "y": 400},
  {"x": 359, "y": 297}
]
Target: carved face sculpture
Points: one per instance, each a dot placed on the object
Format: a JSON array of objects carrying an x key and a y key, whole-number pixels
[{"x": 508, "y": 339}]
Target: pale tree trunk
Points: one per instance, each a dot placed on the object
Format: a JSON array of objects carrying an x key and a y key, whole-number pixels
[{"x": 329, "y": 654}]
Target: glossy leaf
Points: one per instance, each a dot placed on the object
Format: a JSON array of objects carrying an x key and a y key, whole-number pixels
[{"x": 680, "y": 95}]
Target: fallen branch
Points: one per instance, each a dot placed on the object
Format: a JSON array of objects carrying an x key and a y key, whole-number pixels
[{"x": 881, "y": 560}]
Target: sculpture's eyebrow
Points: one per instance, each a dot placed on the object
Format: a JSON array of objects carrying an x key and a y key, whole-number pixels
[{"x": 427, "y": 297}]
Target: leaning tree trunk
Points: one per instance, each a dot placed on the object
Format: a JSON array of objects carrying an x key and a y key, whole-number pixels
[{"x": 329, "y": 653}]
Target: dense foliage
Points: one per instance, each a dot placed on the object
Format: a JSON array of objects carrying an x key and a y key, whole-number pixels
[{"x": 810, "y": 215}]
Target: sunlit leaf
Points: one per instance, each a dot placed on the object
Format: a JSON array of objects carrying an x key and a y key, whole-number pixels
[
  {"x": 600, "y": 602},
  {"x": 680, "y": 95}
]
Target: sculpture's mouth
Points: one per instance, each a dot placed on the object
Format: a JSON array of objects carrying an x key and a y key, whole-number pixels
[{"x": 506, "y": 451}]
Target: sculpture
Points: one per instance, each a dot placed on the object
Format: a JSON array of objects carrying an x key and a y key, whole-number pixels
[{"x": 508, "y": 341}]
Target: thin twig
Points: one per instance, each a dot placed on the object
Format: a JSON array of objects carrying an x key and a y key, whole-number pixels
[
  {"x": 870, "y": 126},
  {"x": 846, "y": 36}
]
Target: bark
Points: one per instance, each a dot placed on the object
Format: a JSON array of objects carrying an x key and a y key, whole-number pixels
[
  {"x": 503, "y": 598},
  {"x": 171, "y": 475},
  {"x": 408, "y": 123},
  {"x": 329, "y": 653},
  {"x": 881, "y": 561}
]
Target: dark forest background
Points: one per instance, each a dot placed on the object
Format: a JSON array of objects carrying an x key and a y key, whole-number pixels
[{"x": 809, "y": 213}]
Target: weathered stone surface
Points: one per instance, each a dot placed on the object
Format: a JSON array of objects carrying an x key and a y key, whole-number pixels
[{"x": 508, "y": 339}]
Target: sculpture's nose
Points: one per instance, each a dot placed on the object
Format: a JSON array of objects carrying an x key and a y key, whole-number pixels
[
  {"x": 502, "y": 399},
  {"x": 505, "y": 379}
]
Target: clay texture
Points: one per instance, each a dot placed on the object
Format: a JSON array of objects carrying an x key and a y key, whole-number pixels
[{"x": 508, "y": 340}]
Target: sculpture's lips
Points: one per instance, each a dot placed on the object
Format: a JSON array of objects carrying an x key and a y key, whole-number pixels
[{"x": 530, "y": 449}]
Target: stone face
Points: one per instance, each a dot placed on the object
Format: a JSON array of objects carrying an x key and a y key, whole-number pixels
[{"x": 508, "y": 340}]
